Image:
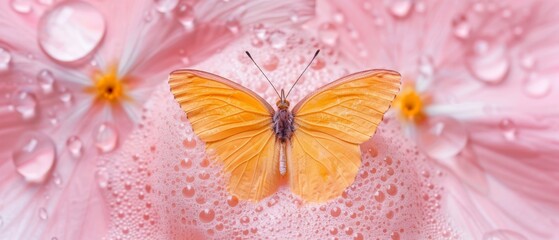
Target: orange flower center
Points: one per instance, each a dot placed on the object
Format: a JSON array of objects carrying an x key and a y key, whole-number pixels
[
  {"x": 108, "y": 86},
  {"x": 410, "y": 104}
]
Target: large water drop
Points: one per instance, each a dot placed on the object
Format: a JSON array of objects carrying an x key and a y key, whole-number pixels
[
  {"x": 442, "y": 138},
  {"x": 34, "y": 156}
]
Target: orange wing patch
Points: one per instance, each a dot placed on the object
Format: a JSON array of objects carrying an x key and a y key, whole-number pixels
[
  {"x": 330, "y": 124},
  {"x": 236, "y": 124}
]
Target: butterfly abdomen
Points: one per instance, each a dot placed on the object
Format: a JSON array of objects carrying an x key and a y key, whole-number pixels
[{"x": 283, "y": 125}]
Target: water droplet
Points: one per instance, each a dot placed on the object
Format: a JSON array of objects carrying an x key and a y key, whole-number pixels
[
  {"x": 442, "y": 138},
  {"x": 271, "y": 62},
  {"x": 461, "y": 27},
  {"x": 536, "y": 86},
  {"x": 165, "y": 6},
  {"x": 503, "y": 234},
  {"x": 328, "y": 34},
  {"x": 379, "y": 196},
  {"x": 5, "y": 59},
  {"x": 489, "y": 64},
  {"x": 186, "y": 16},
  {"x": 277, "y": 39},
  {"x": 22, "y": 6},
  {"x": 395, "y": 236},
  {"x": 106, "y": 138},
  {"x": 245, "y": 220},
  {"x": 102, "y": 177},
  {"x": 46, "y": 81},
  {"x": 528, "y": 62},
  {"x": 335, "y": 212},
  {"x": 71, "y": 30},
  {"x": 508, "y": 128},
  {"x": 57, "y": 179},
  {"x": 43, "y": 214},
  {"x": 400, "y": 8},
  {"x": 207, "y": 215},
  {"x": 233, "y": 25},
  {"x": 26, "y": 105},
  {"x": 426, "y": 71},
  {"x": 75, "y": 146},
  {"x": 188, "y": 191},
  {"x": 34, "y": 156},
  {"x": 392, "y": 190}
]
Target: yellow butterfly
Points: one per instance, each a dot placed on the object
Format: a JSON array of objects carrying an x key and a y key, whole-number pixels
[{"x": 315, "y": 146}]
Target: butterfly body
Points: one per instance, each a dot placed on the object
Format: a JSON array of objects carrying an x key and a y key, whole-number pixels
[{"x": 314, "y": 145}]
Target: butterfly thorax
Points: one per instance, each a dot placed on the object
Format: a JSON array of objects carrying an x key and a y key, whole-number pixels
[{"x": 283, "y": 121}]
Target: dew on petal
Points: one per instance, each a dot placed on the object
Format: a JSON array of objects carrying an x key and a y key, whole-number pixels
[
  {"x": 165, "y": 6},
  {"x": 75, "y": 146},
  {"x": 5, "y": 59},
  {"x": 489, "y": 64},
  {"x": 188, "y": 191},
  {"x": 46, "y": 81},
  {"x": 400, "y": 8},
  {"x": 537, "y": 86},
  {"x": 71, "y": 31},
  {"x": 233, "y": 26},
  {"x": 207, "y": 215},
  {"x": 34, "y": 156},
  {"x": 185, "y": 14},
  {"x": 277, "y": 39},
  {"x": 43, "y": 214},
  {"x": 508, "y": 129},
  {"x": 102, "y": 178},
  {"x": 335, "y": 212},
  {"x": 442, "y": 138},
  {"x": 26, "y": 105},
  {"x": 328, "y": 34},
  {"x": 503, "y": 234},
  {"x": 106, "y": 138},
  {"x": 22, "y": 6},
  {"x": 271, "y": 62},
  {"x": 461, "y": 27}
]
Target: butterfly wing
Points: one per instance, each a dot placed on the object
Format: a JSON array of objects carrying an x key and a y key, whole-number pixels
[
  {"x": 330, "y": 124},
  {"x": 236, "y": 124}
]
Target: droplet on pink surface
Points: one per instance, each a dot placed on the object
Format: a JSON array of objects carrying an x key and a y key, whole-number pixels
[
  {"x": 461, "y": 27},
  {"x": 46, "y": 81},
  {"x": 442, "y": 138},
  {"x": 328, "y": 34},
  {"x": 22, "y": 6},
  {"x": 536, "y": 86},
  {"x": 71, "y": 30},
  {"x": 379, "y": 196},
  {"x": 185, "y": 14},
  {"x": 277, "y": 39},
  {"x": 34, "y": 156},
  {"x": 392, "y": 190},
  {"x": 400, "y": 8},
  {"x": 271, "y": 62},
  {"x": 188, "y": 191},
  {"x": 26, "y": 105},
  {"x": 43, "y": 214},
  {"x": 5, "y": 59},
  {"x": 189, "y": 143},
  {"x": 503, "y": 234},
  {"x": 102, "y": 178},
  {"x": 106, "y": 138},
  {"x": 490, "y": 64},
  {"x": 165, "y": 6},
  {"x": 508, "y": 129},
  {"x": 75, "y": 146},
  {"x": 335, "y": 212},
  {"x": 207, "y": 215},
  {"x": 233, "y": 26}
]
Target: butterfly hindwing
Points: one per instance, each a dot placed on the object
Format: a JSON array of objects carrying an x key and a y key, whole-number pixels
[
  {"x": 330, "y": 125},
  {"x": 235, "y": 124}
]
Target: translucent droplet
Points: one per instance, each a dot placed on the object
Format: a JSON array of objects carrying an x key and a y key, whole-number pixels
[
  {"x": 328, "y": 34},
  {"x": 165, "y": 6},
  {"x": 503, "y": 234},
  {"x": 102, "y": 178},
  {"x": 22, "y": 6},
  {"x": 528, "y": 62},
  {"x": 75, "y": 146},
  {"x": 43, "y": 214},
  {"x": 232, "y": 201},
  {"x": 277, "y": 39},
  {"x": 400, "y": 8},
  {"x": 26, "y": 105},
  {"x": 335, "y": 212},
  {"x": 426, "y": 69},
  {"x": 34, "y": 156},
  {"x": 271, "y": 62},
  {"x": 233, "y": 25},
  {"x": 106, "y": 138},
  {"x": 392, "y": 189},
  {"x": 207, "y": 215},
  {"x": 489, "y": 64},
  {"x": 461, "y": 27},
  {"x": 185, "y": 15},
  {"x": 71, "y": 30},
  {"x": 441, "y": 138},
  {"x": 46, "y": 81},
  {"x": 57, "y": 179},
  {"x": 5, "y": 59},
  {"x": 508, "y": 128},
  {"x": 188, "y": 191},
  {"x": 379, "y": 196},
  {"x": 537, "y": 86}
]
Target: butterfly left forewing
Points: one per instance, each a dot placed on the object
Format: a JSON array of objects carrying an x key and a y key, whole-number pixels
[
  {"x": 235, "y": 124},
  {"x": 330, "y": 125}
]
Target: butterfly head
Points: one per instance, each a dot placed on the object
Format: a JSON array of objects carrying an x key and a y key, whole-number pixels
[{"x": 282, "y": 103}]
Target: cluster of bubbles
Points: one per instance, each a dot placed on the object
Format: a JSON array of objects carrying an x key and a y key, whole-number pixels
[{"x": 172, "y": 188}]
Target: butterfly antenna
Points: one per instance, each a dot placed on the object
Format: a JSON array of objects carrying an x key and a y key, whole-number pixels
[
  {"x": 315, "y": 54},
  {"x": 249, "y": 56}
]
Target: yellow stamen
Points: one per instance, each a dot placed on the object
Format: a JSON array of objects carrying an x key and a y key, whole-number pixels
[
  {"x": 108, "y": 86},
  {"x": 410, "y": 104}
]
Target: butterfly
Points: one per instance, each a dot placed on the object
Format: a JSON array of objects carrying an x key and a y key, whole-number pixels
[{"x": 314, "y": 146}]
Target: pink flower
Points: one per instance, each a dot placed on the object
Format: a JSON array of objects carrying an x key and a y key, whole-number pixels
[
  {"x": 77, "y": 75},
  {"x": 476, "y": 101}
]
